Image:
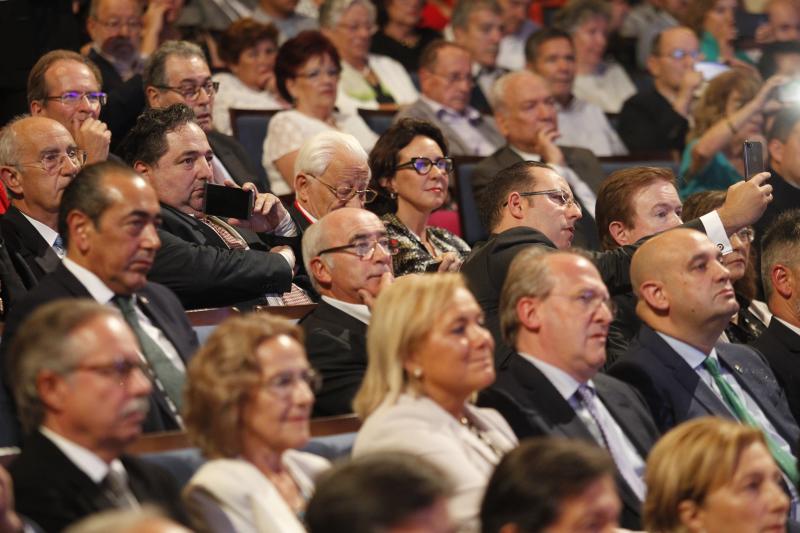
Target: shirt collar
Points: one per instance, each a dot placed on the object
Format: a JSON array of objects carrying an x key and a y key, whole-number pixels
[
  {"x": 47, "y": 233},
  {"x": 469, "y": 113},
  {"x": 793, "y": 328},
  {"x": 358, "y": 311},
  {"x": 526, "y": 156},
  {"x": 86, "y": 460},
  {"x": 311, "y": 218},
  {"x": 565, "y": 384},
  {"x": 693, "y": 357},
  {"x": 99, "y": 290}
]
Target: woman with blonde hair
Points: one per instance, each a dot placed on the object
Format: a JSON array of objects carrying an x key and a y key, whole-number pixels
[
  {"x": 716, "y": 476},
  {"x": 428, "y": 355}
]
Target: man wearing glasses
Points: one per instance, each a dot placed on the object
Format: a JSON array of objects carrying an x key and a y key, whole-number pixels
[
  {"x": 177, "y": 73},
  {"x": 348, "y": 256}
]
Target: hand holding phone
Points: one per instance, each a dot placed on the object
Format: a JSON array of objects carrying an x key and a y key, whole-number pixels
[
  {"x": 753, "y": 155},
  {"x": 228, "y": 202}
]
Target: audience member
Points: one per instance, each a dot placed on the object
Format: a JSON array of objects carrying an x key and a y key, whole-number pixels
[
  {"x": 331, "y": 172},
  {"x": 780, "y": 265},
  {"x": 387, "y": 492},
  {"x": 783, "y": 22},
  {"x": 784, "y": 166},
  {"x": 248, "y": 49},
  {"x": 159, "y": 24},
  {"x": 446, "y": 79},
  {"x": 411, "y": 171},
  {"x": 517, "y": 27},
  {"x": 401, "y": 37},
  {"x": 598, "y": 81},
  {"x": 714, "y": 23},
  {"x": 148, "y": 519},
  {"x": 555, "y": 312},
  {"x": 65, "y": 86},
  {"x": 108, "y": 218},
  {"x": 248, "y": 404},
  {"x": 307, "y": 74},
  {"x": 284, "y": 16},
  {"x": 549, "y": 53},
  {"x": 526, "y": 116},
  {"x": 715, "y": 476},
  {"x": 348, "y": 258},
  {"x": 648, "y": 19},
  {"x": 677, "y": 362},
  {"x": 206, "y": 261},
  {"x": 428, "y": 354},
  {"x": 658, "y": 118},
  {"x": 367, "y": 80},
  {"x": 177, "y": 73},
  {"x": 215, "y": 15},
  {"x": 781, "y": 57},
  {"x": 81, "y": 389},
  {"x": 552, "y": 485}
]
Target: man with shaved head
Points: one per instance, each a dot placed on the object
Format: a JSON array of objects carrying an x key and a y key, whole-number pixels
[{"x": 677, "y": 362}]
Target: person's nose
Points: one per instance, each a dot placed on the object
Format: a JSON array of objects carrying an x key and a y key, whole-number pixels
[
  {"x": 139, "y": 384},
  {"x": 722, "y": 273},
  {"x": 480, "y": 337},
  {"x": 150, "y": 239},
  {"x": 205, "y": 171},
  {"x": 574, "y": 210}
]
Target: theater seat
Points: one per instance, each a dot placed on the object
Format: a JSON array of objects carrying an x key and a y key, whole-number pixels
[{"x": 250, "y": 128}]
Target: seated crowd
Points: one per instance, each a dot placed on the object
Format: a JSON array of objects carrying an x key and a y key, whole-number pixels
[{"x": 241, "y": 289}]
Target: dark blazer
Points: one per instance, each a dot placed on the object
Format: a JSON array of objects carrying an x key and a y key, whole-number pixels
[
  {"x": 30, "y": 254},
  {"x": 580, "y": 160},
  {"x": 648, "y": 122},
  {"x": 195, "y": 263},
  {"x": 785, "y": 197},
  {"x": 156, "y": 301},
  {"x": 234, "y": 158},
  {"x": 534, "y": 407},
  {"x": 54, "y": 492},
  {"x": 675, "y": 393},
  {"x": 781, "y": 348},
  {"x": 336, "y": 344}
]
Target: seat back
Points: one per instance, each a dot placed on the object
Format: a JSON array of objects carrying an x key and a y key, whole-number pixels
[
  {"x": 472, "y": 229},
  {"x": 642, "y": 159},
  {"x": 250, "y": 128},
  {"x": 378, "y": 120}
]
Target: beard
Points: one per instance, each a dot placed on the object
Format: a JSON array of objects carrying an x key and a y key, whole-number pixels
[{"x": 120, "y": 48}]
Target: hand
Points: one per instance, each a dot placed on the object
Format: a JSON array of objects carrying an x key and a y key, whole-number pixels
[
  {"x": 451, "y": 262},
  {"x": 764, "y": 33},
  {"x": 545, "y": 142},
  {"x": 367, "y": 298},
  {"x": 690, "y": 81},
  {"x": 94, "y": 137},
  {"x": 768, "y": 89},
  {"x": 9, "y": 521},
  {"x": 745, "y": 202},
  {"x": 154, "y": 16},
  {"x": 268, "y": 211}
]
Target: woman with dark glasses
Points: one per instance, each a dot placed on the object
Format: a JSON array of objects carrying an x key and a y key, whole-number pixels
[{"x": 411, "y": 174}]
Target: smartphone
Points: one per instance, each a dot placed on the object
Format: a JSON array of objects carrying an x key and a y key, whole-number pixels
[
  {"x": 433, "y": 267},
  {"x": 753, "y": 159},
  {"x": 229, "y": 202}
]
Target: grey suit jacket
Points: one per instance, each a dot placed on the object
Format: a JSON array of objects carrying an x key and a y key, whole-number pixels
[{"x": 457, "y": 146}]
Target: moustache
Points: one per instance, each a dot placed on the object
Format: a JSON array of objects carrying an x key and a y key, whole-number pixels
[
  {"x": 120, "y": 47},
  {"x": 136, "y": 406}
]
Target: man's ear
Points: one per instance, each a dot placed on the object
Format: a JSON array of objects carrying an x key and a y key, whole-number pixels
[
  {"x": 655, "y": 295},
  {"x": 782, "y": 280},
  {"x": 301, "y": 187},
  {"x": 10, "y": 177},
  {"x": 81, "y": 227},
  {"x": 775, "y": 149},
  {"x": 321, "y": 272},
  {"x": 143, "y": 170},
  {"x": 153, "y": 96},
  {"x": 36, "y": 108},
  {"x": 51, "y": 389},
  {"x": 619, "y": 232},
  {"x": 529, "y": 312},
  {"x": 514, "y": 203}
]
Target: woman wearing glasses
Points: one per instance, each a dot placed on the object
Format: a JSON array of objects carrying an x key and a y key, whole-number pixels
[
  {"x": 412, "y": 175},
  {"x": 307, "y": 75},
  {"x": 247, "y": 405}
]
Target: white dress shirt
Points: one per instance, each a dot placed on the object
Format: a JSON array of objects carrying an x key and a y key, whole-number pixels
[
  {"x": 358, "y": 311},
  {"x": 584, "y": 124},
  {"x": 48, "y": 234}
]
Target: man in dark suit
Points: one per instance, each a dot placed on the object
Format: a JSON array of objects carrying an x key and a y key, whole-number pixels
[
  {"x": 525, "y": 113},
  {"x": 82, "y": 394},
  {"x": 556, "y": 312},
  {"x": 783, "y": 141},
  {"x": 108, "y": 217},
  {"x": 349, "y": 258},
  {"x": 780, "y": 271},
  {"x": 178, "y": 73}
]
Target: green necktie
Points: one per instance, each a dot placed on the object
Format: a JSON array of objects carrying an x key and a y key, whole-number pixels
[
  {"x": 168, "y": 374},
  {"x": 785, "y": 460}
]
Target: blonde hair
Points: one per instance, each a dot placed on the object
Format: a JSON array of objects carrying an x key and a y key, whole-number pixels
[
  {"x": 402, "y": 318},
  {"x": 712, "y": 106},
  {"x": 690, "y": 462}
]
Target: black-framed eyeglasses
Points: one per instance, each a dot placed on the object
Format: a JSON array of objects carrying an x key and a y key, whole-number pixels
[
  {"x": 283, "y": 384},
  {"x": 558, "y": 196},
  {"x": 345, "y": 192},
  {"x": 365, "y": 248},
  {"x": 120, "y": 370},
  {"x": 52, "y": 161},
  {"x": 73, "y": 98},
  {"x": 679, "y": 54},
  {"x": 192, "y": 92},
  {"x": 423, "y": 165}
]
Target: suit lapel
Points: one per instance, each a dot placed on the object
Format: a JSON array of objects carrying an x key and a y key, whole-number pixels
[
  {"x": 623, "y": 413},
  {"x": 785, "y": 336},
  {"x": 34, "y": 244}
]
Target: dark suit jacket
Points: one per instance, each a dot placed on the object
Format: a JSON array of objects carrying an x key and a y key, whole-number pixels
[
  {"x": 785, "y": 197},
  {"x": 233, "y": 157},
  {"x": 781, "y": 348},
  {"x": 195, "y": 263},
  {"x": 336, "y": 344},
  {"x": 30, "y": 254},
  {"x": 52, "y": 491},
  {"x": 675, "y": 393},
  {"x": 534, "y": 407},
  {"x": 156, "y": 301}
]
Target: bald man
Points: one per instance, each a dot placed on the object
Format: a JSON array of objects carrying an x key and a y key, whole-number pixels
[{"x": 685, "y": 299}]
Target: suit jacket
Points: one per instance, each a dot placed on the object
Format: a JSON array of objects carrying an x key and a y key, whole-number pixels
[
  {"x": 781, "y": 348},
  {"x": 54, "y": 492},
  {"x": 30, "y": 254},
  {"x": 675, "y": 393},
  {"x": 195, "y": 263},
  {"x": 336, "y": 344},
  {"x": 456, "y": 145},
  {"x": 156, "y": 301},
  {"x": 534, "y": 407},
  {"x": 234, "y": 158},
  {"x": 786, "y": 197},
  {"x": 582, "y": 161}
]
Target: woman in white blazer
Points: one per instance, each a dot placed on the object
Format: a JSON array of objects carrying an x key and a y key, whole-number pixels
[
  {"x": 248, "y": 402},
  {"x": 428, "y": 355}
]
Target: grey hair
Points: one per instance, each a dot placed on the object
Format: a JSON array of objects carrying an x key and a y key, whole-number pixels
[
  {"x": 331, "y": 11},
  {"x": 576, "y": 12},
  {"x": 315, "y": 238},
  {"x": 94, "y": 7},
  {"x": 9, "y": 146},
  {"x": 528, "y": 275},
  {"x": 317, "y": 152},
  {"x": 155, "y": 69},
  {"x": 497, "y": 95},
  {"x": 464, "y": 9},
  {"x": 118, "y": 520}
]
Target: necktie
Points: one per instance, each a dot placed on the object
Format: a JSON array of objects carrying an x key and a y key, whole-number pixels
[
  {"x": 167, "y": 373},
  {"x": 585, "y": 396},
  {"x": 784, "y": 459},
  {"x": 58, "y": 247},
  {"x": 115, "y": 487},
  {"x": 226, "y": 232}
]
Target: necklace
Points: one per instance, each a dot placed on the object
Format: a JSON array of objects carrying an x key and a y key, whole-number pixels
[{"x": 482, "y": 436}]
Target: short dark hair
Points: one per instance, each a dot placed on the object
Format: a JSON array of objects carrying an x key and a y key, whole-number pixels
[
  {"x": 294, "y": 53},
  {"x": 531, "y": 482},
  {"x": 430, "y": 54},
  {"x": 492, "y": 199},
  {"x": 768, "y": 63},
  {"x": 538, "y": 38},
  {"x": 780, "y": 244},
  {"x": 154, "y": 73},
  {"x": 37, "y": 86},
  {"x": 147, "y": 141},
  {"x": 383, "y": 157},
  {"x": 243, "y": 34},
  {"x": 783, "y": 124},
  {"x": 373, "y": 493},
  {"x": 462, "y": 10}
]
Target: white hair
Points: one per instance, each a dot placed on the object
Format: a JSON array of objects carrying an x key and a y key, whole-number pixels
[
  {"x": 317, "y": 152},
  {"x": 331, "y": 11},
  {"x": 497, "y": 94}
]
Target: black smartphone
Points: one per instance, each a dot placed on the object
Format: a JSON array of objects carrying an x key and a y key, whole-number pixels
[
  {"x": 753, "y": 159},
  {"x": 229, "y": 202},
  {"x": 433, "y": 267}
]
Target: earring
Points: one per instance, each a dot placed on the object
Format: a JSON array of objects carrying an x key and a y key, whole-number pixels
[
  {"x": 392, "y": 195},
  {"x": 417, "y": 373}
]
